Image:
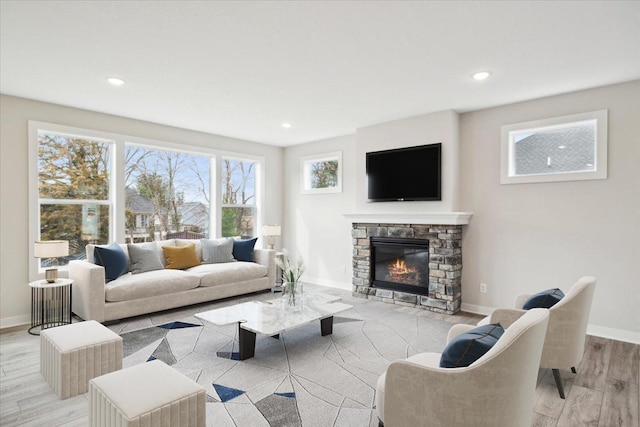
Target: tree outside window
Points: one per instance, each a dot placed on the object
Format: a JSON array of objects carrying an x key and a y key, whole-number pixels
[
  {"x": 238, "y": 197},
  {"x": 73, "y": 191}
]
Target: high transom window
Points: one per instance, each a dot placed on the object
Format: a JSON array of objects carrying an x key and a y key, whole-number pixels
[{"x": 560, "y": 149}]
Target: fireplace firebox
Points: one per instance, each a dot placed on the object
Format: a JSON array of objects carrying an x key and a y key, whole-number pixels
[{"x": 400, "y": 264}]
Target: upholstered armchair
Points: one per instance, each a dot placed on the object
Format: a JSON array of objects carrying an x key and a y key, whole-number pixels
[
  {"x": 567, "y": 331},
  {"x": 495, "y": 390}
]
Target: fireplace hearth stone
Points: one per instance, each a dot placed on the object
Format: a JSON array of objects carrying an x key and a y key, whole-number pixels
[{"x": 445, "y": 265}]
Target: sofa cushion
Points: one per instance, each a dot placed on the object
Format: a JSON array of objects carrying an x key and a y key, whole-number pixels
[
  {"x": 229, "y": 272},
  {"x": 144, "y": 257},
  {"x": 152, "y": 283},
  {"x": 162, "y": 243},
  {"x": 243, "y": 249},
  {"x": 544, "y": 299},
  {"x": 91, "y": 248},
  {"x": 181, "y": 257},
  {"x": 217, "y": 250},
  {"x": 470, "y": 346},
  {"x": 113, "y": 259},
  {"x": 185, "y": 242}
]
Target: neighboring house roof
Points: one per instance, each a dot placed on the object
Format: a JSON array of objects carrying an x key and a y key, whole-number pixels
[
  {"x": 532, "y": 153},
  {"x": 194, "y": 214},
  {"x": 136, "y": 203}
]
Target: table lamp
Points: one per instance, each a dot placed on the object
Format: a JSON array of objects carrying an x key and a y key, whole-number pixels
[
  {"x": 271, "y": 231},
  {"x": 51, "y": 249}
]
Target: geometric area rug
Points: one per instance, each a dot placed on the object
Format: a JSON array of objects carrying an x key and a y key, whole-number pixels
[{"x": 300, "y": 379}]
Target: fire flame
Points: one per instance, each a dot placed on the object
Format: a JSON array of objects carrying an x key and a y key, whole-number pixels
[{"x": 400, "y": 272}]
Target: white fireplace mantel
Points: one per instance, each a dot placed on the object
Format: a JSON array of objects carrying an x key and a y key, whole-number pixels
[{"x": 444, "y": 218}]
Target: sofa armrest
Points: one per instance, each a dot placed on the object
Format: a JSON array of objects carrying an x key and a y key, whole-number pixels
[
  {"x": 88, "y": 296},
  {"x": 267, "y": 257}
]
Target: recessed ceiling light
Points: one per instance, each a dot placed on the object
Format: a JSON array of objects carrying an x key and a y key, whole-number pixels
[
  {"x": 482, "y": 75},
  {"x": 286, "y": 125},
  {"x": 562, "y": 147},
  {"x": 115, "y": 81}
]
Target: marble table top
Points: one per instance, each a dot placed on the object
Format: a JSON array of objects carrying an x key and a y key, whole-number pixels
[{"x": 271, "y": 318}]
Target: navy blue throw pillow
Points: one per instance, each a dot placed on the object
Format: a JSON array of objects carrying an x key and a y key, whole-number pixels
[
  {"x": 544, "y": 299},
  {"x": 466, "y": 348},
  {"x": 113, "y": 259},
  {"x": 243, "y": 249}
]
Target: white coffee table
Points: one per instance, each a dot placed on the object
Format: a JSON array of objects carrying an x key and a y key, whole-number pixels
[{"x": 270, "y": 318}]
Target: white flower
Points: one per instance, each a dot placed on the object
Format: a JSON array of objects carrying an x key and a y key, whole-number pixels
[{"x": 291, "y": 271}]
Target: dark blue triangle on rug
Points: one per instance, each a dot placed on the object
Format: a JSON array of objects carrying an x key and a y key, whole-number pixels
[
  {"x": 178, "y": 325},
  {"x": 289, "y": 394},
  {"x": 227, "y": 393}
]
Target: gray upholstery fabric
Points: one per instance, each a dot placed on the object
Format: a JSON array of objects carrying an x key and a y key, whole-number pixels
[
  {"x": 144, "y": 258},
  {"x": 217, "y": 250}
]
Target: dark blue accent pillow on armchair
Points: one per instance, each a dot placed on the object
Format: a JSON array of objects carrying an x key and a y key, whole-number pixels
[
  {"x": 243, "y": 249},
  {"x": 544, "y": 299},
  {"x": 113, "y": 259},
  {"x": 466, "y": 348}
]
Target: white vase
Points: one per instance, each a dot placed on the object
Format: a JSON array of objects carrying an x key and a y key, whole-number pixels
[{"x": 292, "y": 296}]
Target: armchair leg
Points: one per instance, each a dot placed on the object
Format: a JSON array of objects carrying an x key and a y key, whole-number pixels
[
  {"x": 556, "y": 376},
  {"x": 573, "y": 369}
]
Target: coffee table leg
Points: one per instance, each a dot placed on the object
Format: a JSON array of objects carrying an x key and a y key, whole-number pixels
[
  {"x": 326, "y": 326},
  {"x": 247, "y": 343}
]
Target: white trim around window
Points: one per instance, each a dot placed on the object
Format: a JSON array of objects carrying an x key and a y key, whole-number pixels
[{"x": 594, "y": 168}]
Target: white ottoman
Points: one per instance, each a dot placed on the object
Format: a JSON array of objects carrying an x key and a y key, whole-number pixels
[
  {"x": 71, "y": 355},
  {"x": 150, "y": 394}
]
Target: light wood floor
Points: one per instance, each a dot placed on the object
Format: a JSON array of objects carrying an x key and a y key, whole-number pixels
[{"x": 604, "y": 393}]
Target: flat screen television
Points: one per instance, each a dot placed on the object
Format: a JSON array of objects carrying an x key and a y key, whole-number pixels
[{"x": 405, "y": 174}]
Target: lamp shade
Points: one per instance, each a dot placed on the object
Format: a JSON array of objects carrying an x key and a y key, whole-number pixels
[
  {"x": 51, "y": 249},
  {"x": 271, "y": 230}
]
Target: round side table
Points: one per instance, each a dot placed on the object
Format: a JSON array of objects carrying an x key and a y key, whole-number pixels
[{"x": 50, "y": 304}]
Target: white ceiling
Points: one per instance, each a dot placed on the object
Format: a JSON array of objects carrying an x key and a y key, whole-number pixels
[{"x": 240, "y": 69}]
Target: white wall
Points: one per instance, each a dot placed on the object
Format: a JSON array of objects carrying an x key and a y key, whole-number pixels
[
  {"x": 420, "y": 130},
  {"x": 314, "y": 224},
  {"x": 14, "y": 207},
  {"x": 526, "y": 237}
]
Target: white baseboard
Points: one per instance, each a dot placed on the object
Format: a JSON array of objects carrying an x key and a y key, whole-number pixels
[
  {"x": 331, "y": 283},
  {"x": 595, "y": 330},
  {"x": 476, "y": 309},
  {"x": 10, "y": 322},
  {"x": 614, "y": 334}
]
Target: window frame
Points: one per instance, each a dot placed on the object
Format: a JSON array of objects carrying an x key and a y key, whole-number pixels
[
  {"x": 256, "y": 197},
  {"x": 305, "y": 176},
  {"x": 601, "y": 146},
  {"x": 117, "y": 197}
]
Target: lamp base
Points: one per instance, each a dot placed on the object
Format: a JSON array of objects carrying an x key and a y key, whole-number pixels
[{"x": 51, "y": 275}]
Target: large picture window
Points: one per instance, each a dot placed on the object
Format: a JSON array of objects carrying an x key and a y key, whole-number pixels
[
  {"x": 74, "y": 196},
  {"x": 97, "y": 187},
  {"x": 565, "y": 148}
]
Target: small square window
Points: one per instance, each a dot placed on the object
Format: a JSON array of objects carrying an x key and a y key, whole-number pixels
[
  {"x": 322, "y": 173},
  {"x": 565, "y": 148}
]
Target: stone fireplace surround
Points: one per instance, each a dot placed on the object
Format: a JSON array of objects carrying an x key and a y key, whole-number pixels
[{"x": 445, "y": 258}]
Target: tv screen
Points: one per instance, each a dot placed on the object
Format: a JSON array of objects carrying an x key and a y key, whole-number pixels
[{"x": 411, "y": 173}]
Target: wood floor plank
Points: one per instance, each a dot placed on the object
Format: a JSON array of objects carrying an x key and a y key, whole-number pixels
[
  {"x": 620, "y": 404},
  {"x": 582, "y": 408},
  {"x": 547, "y": 400},
  {"x": 592, "y": 372},
  {"x": 625, "y": 362}
]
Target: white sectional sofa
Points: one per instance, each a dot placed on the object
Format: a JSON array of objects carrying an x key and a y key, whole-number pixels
[{"x": 151, "y": 291}]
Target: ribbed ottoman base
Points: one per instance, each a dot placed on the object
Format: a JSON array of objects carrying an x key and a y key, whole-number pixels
[
  {"x": 147, "y": 395},
  {"x": 73, "y": 354}
]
